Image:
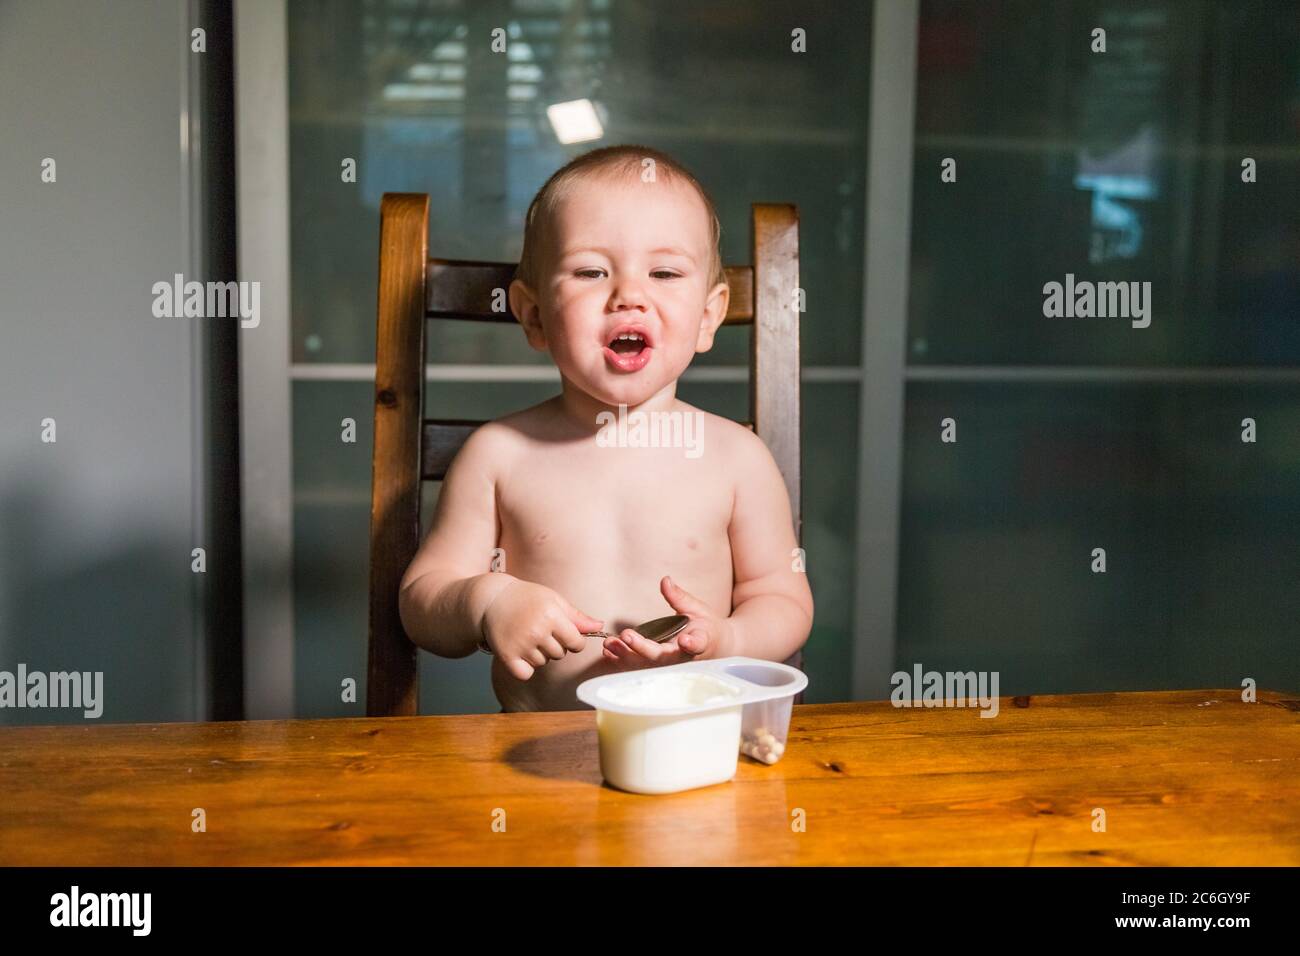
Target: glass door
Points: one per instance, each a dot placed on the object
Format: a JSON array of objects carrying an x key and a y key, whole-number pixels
[{"x": 1104, "y": 499}]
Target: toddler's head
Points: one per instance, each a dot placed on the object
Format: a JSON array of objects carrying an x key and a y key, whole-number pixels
[{"x": 621, "y": 242}]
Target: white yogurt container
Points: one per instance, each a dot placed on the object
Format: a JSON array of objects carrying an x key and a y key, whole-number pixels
[{"x": 665, "y": 729}]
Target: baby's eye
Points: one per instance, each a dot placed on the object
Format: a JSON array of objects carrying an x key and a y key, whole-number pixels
[{"x": 665, "y": 274}]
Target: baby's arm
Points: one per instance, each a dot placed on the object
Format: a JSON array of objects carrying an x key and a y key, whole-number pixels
[
  {"x": 772, "y": 605},
  {"x": 448, "y": 585}
]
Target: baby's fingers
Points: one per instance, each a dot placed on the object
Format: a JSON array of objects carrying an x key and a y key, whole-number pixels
[
  {"x": 693, "y": 640},
  {"x": 519, "y": 668},
  {"x": 569, "y": 638},
  {"x": 617, "y": 650},
  {"x": 645, "y": 648},
  {"x": 553, "y": 649}
]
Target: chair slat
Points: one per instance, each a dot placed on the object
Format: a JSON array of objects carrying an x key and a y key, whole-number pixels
[
  {"x": 740, "y": 310},
  {"x": 443, "y": 438},
  {"x": 461, "y": 289},
  {"x": 456, "y": 289}
]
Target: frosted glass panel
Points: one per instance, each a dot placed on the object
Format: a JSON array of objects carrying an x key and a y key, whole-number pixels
[
  {"x": 400, "y": 89},
  {"x": 1117, "y": 167}
]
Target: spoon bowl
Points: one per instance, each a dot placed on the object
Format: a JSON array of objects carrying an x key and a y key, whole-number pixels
[{"x": 658, "y": 630}]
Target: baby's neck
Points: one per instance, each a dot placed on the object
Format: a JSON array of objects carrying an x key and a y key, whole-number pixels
[{"x": 580, "y": 409}]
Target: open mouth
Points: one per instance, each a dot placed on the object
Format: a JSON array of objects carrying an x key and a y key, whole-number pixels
[
  {"x": 629, "y": 343},
  {"x": 628, "y": 349}
]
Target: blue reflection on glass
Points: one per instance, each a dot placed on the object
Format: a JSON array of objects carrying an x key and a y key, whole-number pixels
[{"x": 1127, "y": 172}]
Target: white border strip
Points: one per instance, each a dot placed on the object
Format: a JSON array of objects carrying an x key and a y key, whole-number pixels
[
  {"x": 360, "y": 372},
  {"x": 194, "y": 230},
  {"x": 880, "y": 446},
  {"x": 1102, "y": 374},
  {"x": 265, "y": 421},
  {"x": 1004, "y": 374}
]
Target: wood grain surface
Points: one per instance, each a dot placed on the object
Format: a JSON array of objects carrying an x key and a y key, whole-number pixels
[{"x": 1184, "y": 777}]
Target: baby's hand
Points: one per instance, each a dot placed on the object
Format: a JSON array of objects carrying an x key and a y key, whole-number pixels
[
  {"x": 527, "y": 624},
  {"x": 707, "y": 633}
]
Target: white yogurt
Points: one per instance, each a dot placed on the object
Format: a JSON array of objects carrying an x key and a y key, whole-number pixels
[
  {"x": 666, "y": 691},
  {"x": 676, "y": 727},
  {"x": 649, "y": 753}
]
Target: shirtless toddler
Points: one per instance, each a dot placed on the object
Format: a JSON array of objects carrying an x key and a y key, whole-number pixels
[{"x": 554, "y": 521}]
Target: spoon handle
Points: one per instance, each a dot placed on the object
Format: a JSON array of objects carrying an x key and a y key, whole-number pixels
[{"x": 483, "y": 645}]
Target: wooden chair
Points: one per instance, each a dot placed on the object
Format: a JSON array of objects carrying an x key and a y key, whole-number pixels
[{"x": 410, "y": 449}]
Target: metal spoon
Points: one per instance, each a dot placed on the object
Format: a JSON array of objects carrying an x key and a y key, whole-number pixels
[{"x": 658, "y": 630}]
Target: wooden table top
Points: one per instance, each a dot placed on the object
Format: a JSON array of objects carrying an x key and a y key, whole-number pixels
[{"x": 1184, "y": 778}]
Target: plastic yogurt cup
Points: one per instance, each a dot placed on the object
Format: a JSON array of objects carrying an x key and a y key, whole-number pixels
[{"x": 673, "y": 728}]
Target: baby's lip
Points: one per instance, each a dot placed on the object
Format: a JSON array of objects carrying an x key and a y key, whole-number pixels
[{"x": 629, "y": 327}]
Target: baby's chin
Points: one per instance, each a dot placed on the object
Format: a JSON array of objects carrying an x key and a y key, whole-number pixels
[
  {"x": 614, "y": 388},
  {"x": 623, "y": 393}
]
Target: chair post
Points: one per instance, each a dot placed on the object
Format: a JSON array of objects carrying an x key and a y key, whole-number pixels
[
  {"x": 392, "y": 687},
  {"x": 774, "y": 385},
  {"x": 774, "y": 346}
]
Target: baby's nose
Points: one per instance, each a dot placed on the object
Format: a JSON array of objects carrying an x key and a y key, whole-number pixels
[{"x": 628, "y": 294}]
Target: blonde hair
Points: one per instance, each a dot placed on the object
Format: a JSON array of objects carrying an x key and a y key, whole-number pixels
[{"x": 626, "y": 160}]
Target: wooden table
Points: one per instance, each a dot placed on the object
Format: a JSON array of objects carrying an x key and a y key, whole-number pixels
[{"x": 1185, "y": 777}]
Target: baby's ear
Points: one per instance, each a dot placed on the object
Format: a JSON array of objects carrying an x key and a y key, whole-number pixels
[
  {"x": 524, "y": 305},
  {"x": 715, "y": 311}
]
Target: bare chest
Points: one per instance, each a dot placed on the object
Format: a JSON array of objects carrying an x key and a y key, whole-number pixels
[{"x": 603, "y": 525}]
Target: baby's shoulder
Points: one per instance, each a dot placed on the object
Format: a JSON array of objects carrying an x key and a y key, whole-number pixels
[
  {"x": 531, "y": 424},
  {"x": 491, "y": 447},
  {"x": 728, "y": 436},
  {"x": 513, "y": 434}
]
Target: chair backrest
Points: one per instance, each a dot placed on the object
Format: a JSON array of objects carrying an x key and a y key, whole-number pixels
[{"x": 410, "y": 449}]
